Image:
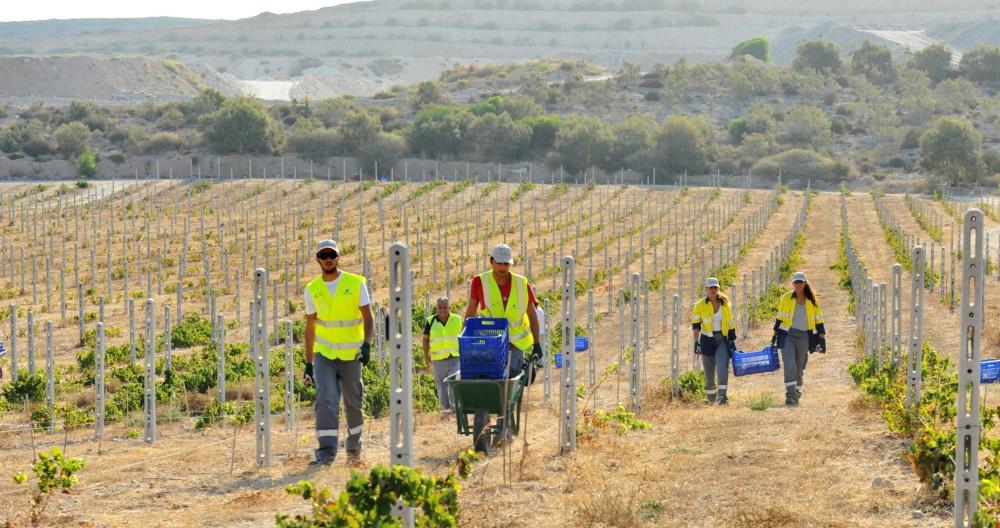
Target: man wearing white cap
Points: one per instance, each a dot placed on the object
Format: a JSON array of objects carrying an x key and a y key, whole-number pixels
[
  {"x": 500, "y": 293},
  {"x": 339, "y": 326},
  {"x": 798, "y": 332}
]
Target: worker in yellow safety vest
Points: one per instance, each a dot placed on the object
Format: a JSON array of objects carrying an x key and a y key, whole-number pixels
[
  {"x": 799, "y": 330},
  {"x": 500, "y": 293},
  {"x": 338, "y": 338},
  {"x": 441, "y": 345}
]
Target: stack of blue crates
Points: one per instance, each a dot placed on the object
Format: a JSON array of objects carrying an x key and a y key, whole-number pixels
[
  {"x": 989, "y": 371},
  {"x": 765, "y": 360},
  {"x": 582, "y": 343},
  {"x": 482, "y": 348}
]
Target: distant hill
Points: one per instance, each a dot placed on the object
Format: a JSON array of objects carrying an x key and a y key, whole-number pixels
[{"x": 87, "y": 26}]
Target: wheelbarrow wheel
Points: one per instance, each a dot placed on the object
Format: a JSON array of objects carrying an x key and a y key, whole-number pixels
[{"x": 481, "y": 431}]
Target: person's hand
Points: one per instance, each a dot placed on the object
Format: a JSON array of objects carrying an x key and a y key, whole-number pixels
[
  {"x": 536, "y": 353},
  {"x": 427, "y": 359},
  {"x": 774, "y": 340},
  {"x": 732, "y": 345},
  {"x": 697, "y": 348},
  {"x": 307, "y": 378},
  {"x": 365, "y": 353}
]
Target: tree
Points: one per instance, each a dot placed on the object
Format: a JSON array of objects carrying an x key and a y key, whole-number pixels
[
  {"x": 429, "y": 93},
  {"x": 819, "y": 55},
  {"x": 72, "y": 138},
  {"x": 757, "y": 47},
  {"x": 382, "y": 150},
  {"x": 543, "y": 131},
  {"x": 80, "y": 110},
  {"x": 981, "y": 64},
  {"x": 241, "y": 125},
  {"x": 806, "y": 126},
  {"x": 581, "y": 142},
  {"x": 172, "y": 119},
  {"x": 438, "y": 131},
  {"x": 86, "y": 165},
  {"x": 631, "y": 136},
  {"x": 683, "y": 144},
  {"x": 874, "y": 61},
  {"x": 950, "y": 148},
  {"x": 934, "y": 60},
  {"x": 498, "y": 138},
  {"x": 357, "y": 128}
]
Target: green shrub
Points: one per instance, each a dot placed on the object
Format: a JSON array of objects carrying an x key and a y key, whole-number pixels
[{"x": 800, "y": 163}]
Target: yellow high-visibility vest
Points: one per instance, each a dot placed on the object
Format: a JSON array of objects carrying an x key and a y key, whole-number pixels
[
  {"x": 703, "y": 313},
  {"x": 340, "y": 328},
  {"x": 519, "y": 329},
  {"x": 444, "y": 337},
  {"x": 786, "y": 311}
]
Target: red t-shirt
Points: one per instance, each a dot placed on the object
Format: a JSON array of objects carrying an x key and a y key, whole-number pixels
[{"x": 476, "y": 293}]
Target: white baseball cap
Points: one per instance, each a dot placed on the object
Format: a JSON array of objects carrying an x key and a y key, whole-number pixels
[
  {"x": 712, "y": 281},
  {"x": 502, "y": 253},
  {"x": 327, "y": 244},
  {"x": 799, "y": 276}
]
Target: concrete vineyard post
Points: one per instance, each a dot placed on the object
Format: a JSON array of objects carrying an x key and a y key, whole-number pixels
[
  {"x": 635, "y": 339},
  {"x": 400, "y": 367},
  {"x": 31, "y": 342},
  {"x": 130, "y": 306},
  {"x": 259, "y": 351},
  {"x": 567, "y": 385},
  {"x": 99, "y": 383},
  {"x": 167, "y": 356},
  {"x": 50, "y": 377},
  {"x": 968, "y": 427},
  {"x": 220, "y": 352},
  {"x": 289, "y": 376},
  {"x": 547, "y": 350},
  {"x": 591, "y": 354},
  {"x": 916, "y": 336},
  {"x": 675, "y": 357},
  {"x": 13, "y": 342},
  {"x": 896, "y": 330},
  {"x": 149, "y": 355}
]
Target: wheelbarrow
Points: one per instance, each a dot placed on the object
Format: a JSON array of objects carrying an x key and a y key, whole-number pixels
[{"x": 480, "y": 398}]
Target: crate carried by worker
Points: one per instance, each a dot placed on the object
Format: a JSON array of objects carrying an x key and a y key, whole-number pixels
[{"x": 765, "y": 360}]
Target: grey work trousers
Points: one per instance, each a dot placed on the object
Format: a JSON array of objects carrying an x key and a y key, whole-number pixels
[
  {"x": 795, "y": 355},
  {"x": 334, "y": 378},
  {"x": 717, "y": 366},
  {"x": 442, "y": 369}
]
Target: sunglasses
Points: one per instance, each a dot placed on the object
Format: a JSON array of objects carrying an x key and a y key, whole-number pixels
[{"x": 329, "y": 255}]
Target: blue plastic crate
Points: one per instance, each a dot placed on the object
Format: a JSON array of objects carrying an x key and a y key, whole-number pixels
[
  {"x": 989, "y": 371},
  {"x": 558, "y": 359},
  {"x": 482, "y": 348},
  {"x": 765, "y": 360},
  {"x": 582, "y": 343}
]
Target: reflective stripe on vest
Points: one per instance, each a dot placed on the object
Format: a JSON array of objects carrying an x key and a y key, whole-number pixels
[
  {"x": 444, "y": 338},
  {"x": 703, "y": 313},
  {"x": 340, "y": 329},
  {"x": 519, "y": 330},
  {"x": 786, "y": 311}
]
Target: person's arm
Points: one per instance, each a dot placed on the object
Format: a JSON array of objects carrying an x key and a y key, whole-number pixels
[
  {"x": 427, "y": 343},
  {"x": 472, "y": 309},
  {"x": 366, "y": 314},
  {"x": 310, "y": 337},
  {"x": 533, "y": 322}
]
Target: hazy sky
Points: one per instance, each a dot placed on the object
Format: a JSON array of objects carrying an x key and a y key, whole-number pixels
[{"x": 48, "y": 9}]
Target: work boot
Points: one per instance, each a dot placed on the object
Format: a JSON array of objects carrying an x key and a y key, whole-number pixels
[
  {"x": 723, "y": 400},
  {"x": 791, "y": 401},
  {"x": 318, "y": 463}
]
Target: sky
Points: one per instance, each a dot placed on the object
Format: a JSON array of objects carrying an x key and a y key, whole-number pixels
[{"x": 49, "y": 9}]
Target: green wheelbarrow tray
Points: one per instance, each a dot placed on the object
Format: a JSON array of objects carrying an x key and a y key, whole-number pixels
[{"x": 487, "y": 395}]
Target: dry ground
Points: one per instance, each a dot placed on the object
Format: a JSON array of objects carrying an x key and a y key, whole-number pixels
[{"x": 829, "y": 462}]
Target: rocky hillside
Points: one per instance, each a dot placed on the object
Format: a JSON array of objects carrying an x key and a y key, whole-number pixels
[{"x": 366, "y": 47}]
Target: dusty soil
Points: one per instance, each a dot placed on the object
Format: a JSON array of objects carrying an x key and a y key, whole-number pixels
[{"x": 697, "y": 465}]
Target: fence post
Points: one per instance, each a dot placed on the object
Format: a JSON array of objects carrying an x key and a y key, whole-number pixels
[
  {"x": 289, "y": 377},
  {"x": 567, "y": 394},
  {"x": 400, "y": 367},
  {"x": 262, "y": 383},
  {"x": 99, "y": 383},
  {"x": 149, "y": 355},
  {"x": 968, "y": 422},
  {"x": 916, "y": 337}
]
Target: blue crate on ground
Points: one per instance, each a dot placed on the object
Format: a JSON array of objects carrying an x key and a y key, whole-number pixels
[
  {"x": 765, "y": 360},
  {"x": 989, "y": 371},
  {"x": 558, "y": 359},
  {"x": 582, "y": 343},
  {"x": 483, "y": 347}
]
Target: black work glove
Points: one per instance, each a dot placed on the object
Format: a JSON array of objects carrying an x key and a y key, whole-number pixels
[
  {"x": 732, "y": 346},
  {"x": 308, "y": 376},
  {"x": 774, "y": 340},
  {"x": 821, "y": 347},
  {"x": 536, "y": 353},
  {"x": 365, "y": 353},
  {"x": 697, "y": 348}
]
